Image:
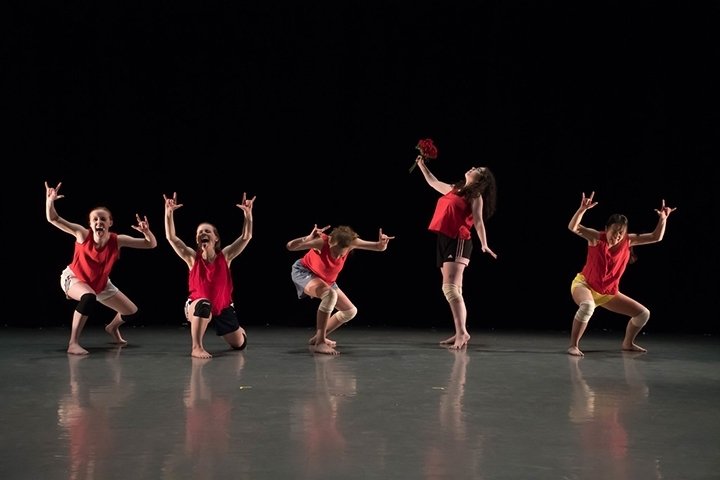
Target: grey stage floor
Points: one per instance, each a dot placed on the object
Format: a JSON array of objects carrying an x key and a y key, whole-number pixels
[{"x": 392, "y": 405}]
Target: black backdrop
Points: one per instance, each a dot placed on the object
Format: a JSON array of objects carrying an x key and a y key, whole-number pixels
[{"x": 316, "y": 109}]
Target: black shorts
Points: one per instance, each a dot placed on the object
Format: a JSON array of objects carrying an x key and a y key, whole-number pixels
[
  {"x": 226, "y": 322},
  {"x": 451, "y": 249}
]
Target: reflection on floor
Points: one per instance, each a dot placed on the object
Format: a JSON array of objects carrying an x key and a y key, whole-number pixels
[{"x": 393, "y": 404}]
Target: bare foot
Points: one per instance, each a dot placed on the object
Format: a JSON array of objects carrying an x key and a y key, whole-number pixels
[
  {"x": 328, "y": 342},
  {"x": 323, "y": 348},
  {"x": 115, "y": 333},
  {"x": 448, "y": 341},
  {"x": 76, "y": 349},
  {"x": 575, "y": 351},
  {"x": 633, "y": 348},
  {"x": 200, "y": 353},
  {"x": 460, "y": 341},
  {"x": 456, "y": 341}
]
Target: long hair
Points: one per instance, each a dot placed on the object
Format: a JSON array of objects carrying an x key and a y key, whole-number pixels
[{"x": 485, "y": 187}]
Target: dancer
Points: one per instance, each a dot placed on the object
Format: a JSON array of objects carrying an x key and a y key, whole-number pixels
[
  {"x": 315, "y": 274},
  {"x": 463, "y": 205},
  {"x": 598, "y": 284},
  {"x": 87, "y": 279},
  {"x": 210, "y": 281}
]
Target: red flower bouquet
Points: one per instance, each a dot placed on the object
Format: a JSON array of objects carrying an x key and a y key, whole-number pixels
[{"x": 427, "y": 150}]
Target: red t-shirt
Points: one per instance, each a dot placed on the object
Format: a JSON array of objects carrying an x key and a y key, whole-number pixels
[
  {"x": 452, "y": 217},
  {"x": 605, "y": 266},
  {"x": 212, "y": 281},
  {"x": 92, "y": 264},
  {"x": 322, "y": 263}
]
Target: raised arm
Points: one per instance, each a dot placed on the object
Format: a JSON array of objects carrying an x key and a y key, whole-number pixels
[
  {"x": 380, "y": 245},
  {"x": 314, "y": 240},
  {"x": 74, "y": 229},
  {"x": 148, "y": 240},
  {"x": 183, "y": 251},
  {"x": 479, "y": 223},
  {"x": 235, "y": 248},
  {"x": 574, "y": 226},
  {"x": 441, "y": 187},
  {"x": 659, "y": 232}
]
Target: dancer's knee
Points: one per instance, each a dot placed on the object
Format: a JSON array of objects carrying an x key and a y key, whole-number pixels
[
  {"x": 585, "y": 311},
  {"x": 452, "y": 292},
  {"x": 203, "y": 309},
  {"x": 344, "y": 316},
  {"x": 328, "y": 299},
  {"x": 87, "y": 303},
  {"x": 641, "y": 318},
  {"x": 237, "y": 339}
]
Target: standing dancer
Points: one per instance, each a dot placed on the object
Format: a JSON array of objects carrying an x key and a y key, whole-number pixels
[{"x": 462, "y": 206}]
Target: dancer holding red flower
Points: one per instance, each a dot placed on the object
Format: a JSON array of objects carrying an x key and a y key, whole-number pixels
[{"x": 462, "y": 206}]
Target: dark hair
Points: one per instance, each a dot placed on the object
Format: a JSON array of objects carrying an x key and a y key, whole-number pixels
[
  {"x": 617, "y": 218},
  {"x": 620, "y": 219},
  {"x": 485, "y": 187}
]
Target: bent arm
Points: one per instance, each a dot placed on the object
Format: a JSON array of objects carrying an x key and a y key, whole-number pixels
[
  {"x": 313, "y": 240},
  {"x": 379, "y": 246},
  {"x": 659, "y": 232},
  {"x": 361, "y": 244},
  {"x": 652, "y": 237},
  {"x": 74, "y": 229},
  {"x": 574, "y": 226},
  {"x": 148, "y": 240},
  {"x": 577, "y": 228},
  {"x": 78, "y": 231},
  {"x": 304, "y": 243}
]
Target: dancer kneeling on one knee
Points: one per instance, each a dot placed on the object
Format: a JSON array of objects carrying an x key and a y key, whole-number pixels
[{"x": 210, "y": 285}]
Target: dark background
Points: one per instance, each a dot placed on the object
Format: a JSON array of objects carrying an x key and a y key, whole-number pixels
[{"x": 316, "y": 108}]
